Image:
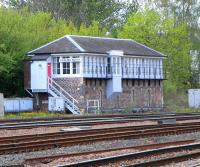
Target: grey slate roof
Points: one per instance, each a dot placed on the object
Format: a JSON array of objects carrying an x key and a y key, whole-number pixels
[
  {"x": 61, "y": 45},
  {"x": 86, "y": 44},
  {"x": 39, "y": 57}
]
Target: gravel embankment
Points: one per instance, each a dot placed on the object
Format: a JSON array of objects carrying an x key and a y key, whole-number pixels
[{"x": 18, "y": 158}]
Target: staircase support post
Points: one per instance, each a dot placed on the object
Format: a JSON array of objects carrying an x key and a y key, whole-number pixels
[{"x": 73, "y": 104}]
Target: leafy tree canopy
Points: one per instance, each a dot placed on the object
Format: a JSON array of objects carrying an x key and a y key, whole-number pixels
[
  {"x": 109, "y": 13},
  {"x": 150, "y": 28},
  {"x": 20, "y": 32}
]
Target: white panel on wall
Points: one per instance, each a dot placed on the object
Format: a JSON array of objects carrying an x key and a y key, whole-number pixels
[
  {"x": 56, "y": 104},
  {"x": 39, "y": 75}
]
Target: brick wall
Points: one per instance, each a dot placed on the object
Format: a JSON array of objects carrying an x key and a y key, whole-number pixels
[
  {"x": 40, "y": 101},
  {"x": 27, "y": 79},
  {"x": 136, "y": 93},
  {"x": 74, "y": 86}
]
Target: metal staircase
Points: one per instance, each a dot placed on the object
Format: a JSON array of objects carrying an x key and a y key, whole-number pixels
[{"x": 57, "y": 91}]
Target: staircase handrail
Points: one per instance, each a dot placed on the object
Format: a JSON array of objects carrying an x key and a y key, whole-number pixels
[{"x": 51, "y": 81}]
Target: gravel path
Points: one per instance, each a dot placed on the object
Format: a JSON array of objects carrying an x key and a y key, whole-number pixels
[{"x": 18, "y": 158}]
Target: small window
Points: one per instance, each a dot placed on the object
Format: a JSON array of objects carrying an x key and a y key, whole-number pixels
[
  {"x": 149, "y": 82},
  {"x": 95, "y": 82},
  {"x": 100, "y": 82},
  {"x": 109, "y": 65},
  {"x": 139, "y": 82},
  {"x": 159, "y": 82},
  {"x": 133, "y": 82},
  {"x": 133, "y": 95},
  {"x": 56, "y": 65},
  {"x": 127, "y": 82}
]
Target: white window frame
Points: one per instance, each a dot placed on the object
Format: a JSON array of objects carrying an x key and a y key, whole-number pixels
[{"x": 71, "y": 66}]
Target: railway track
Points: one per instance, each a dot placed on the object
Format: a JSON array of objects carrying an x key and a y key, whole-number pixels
[
  {"x": 48, "y": 159},
  {"x": 28, "y": 143},
  {"x": 183, "y": 153},
  {"x": 79, "y": 117},
  {"x": 94, "y": 120}
]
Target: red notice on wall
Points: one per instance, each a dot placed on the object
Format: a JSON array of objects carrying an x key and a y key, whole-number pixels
[{"x": 49, "y": 70}]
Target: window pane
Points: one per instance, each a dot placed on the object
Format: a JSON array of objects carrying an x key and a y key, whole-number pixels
[
  {"x": 75, "y": 68},
  {"x": 66, "y": 68},
  {"x": 56, "y": 65},
  {"x": 78, "y": 68},
  {"x": 58, "y": 68}
]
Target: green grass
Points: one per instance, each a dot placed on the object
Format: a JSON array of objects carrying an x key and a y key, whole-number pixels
[
  {"x": 33, "y": 115},
  {"x": 187, "y": 110}
]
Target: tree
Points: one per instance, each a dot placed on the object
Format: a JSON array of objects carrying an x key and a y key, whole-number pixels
[
  {"x": 20, "y": 32},
  {"x": 108, "y": 13},
  {"x": 148, "y": 27},
  {"x": 184, "y": 11}
]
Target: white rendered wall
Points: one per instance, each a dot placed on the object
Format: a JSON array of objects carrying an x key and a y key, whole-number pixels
[
  {"x": 39, "y": 76},
  {"x": 114, "y": 85}
]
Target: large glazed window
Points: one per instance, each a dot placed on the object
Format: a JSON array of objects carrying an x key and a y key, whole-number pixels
[{"x": 66, "y": 65}]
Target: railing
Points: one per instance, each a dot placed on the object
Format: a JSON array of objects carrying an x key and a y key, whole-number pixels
[
  {"x": 57, "y": 89},
  {"x": 93, "y": 104}
]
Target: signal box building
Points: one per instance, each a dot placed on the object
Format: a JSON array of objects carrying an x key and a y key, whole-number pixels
[{"x": 115, "y": 73}]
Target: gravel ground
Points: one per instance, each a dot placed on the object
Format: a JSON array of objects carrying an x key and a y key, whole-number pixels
[
  {"x": 190, "y": 163},
  {"x": 74, "y": 159},
  {"x": 146, "y": 159},
  {"x": 19, "y": 158},
  {"x": 40, "y": 130},
  {"x": 188, "y": 121},
  {"x": 20, "y": 132}
]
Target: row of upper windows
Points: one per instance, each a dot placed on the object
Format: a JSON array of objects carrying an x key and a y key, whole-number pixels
[
  {"x": 71, "y": 65},
  {"x": 65, "y": 67},
  {"x": 94, "y": 60}
]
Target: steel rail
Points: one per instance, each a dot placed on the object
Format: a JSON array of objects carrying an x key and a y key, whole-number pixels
[
  {"x": 167, "y": 161},
  {"x": 98, "y": 117},
  {"x": 136, "y": 129},
  {"x": 87, "y": 123},
  {"x": 46, "y": 159},
  {"x": 66, "y": 141},
  {"x": 141, "y": 154}
]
